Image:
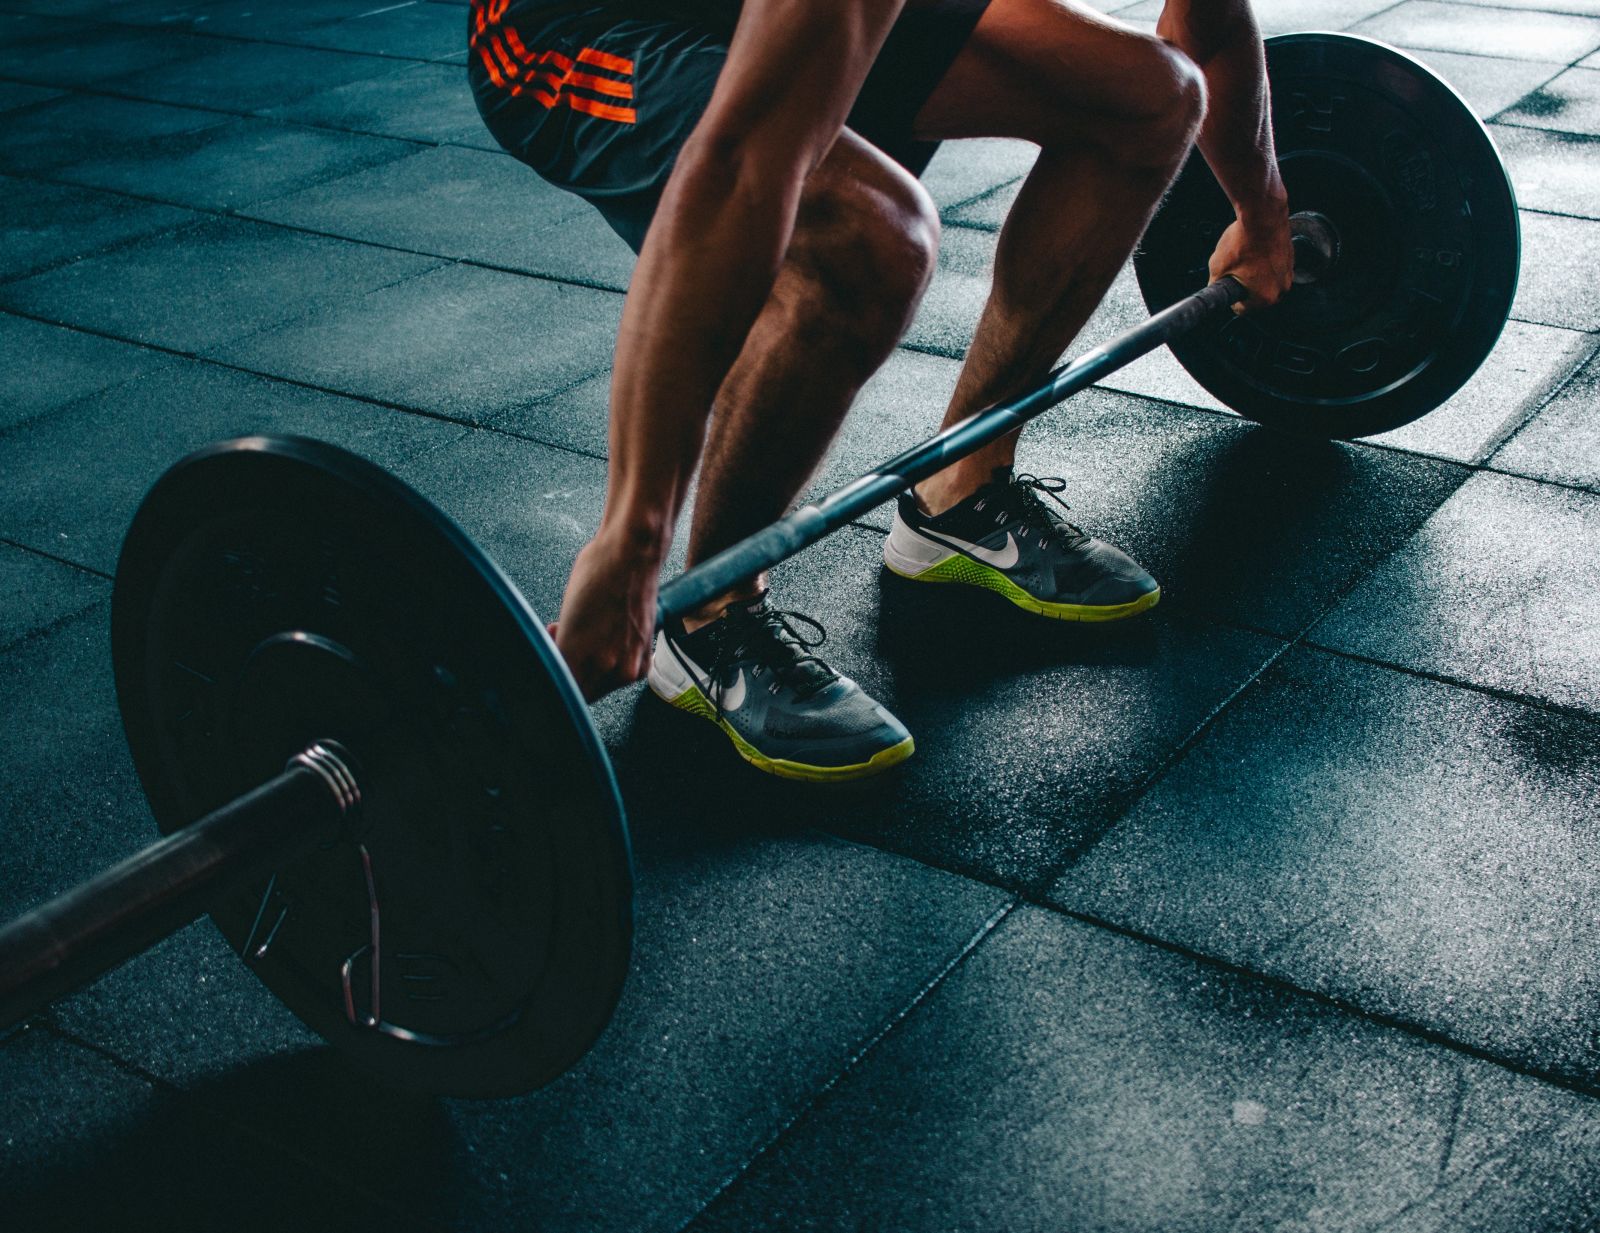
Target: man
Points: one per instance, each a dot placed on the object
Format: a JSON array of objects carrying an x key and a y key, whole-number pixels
[{"x": 761, "y": 158}]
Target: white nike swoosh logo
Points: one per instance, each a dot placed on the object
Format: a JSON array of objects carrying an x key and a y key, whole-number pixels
[
  {"x": 1000, "y": 558},
  {"x": 732, "y": 698}
]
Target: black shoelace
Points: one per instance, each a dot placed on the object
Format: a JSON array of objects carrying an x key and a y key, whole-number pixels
[
  {"x": 1038, "y": 516},
  {"x": 791, "y": 660}
]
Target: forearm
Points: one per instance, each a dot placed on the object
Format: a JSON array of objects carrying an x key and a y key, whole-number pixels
[
  {"x": 706, "y": 270},
  {"x": 1222, "y": 37}
]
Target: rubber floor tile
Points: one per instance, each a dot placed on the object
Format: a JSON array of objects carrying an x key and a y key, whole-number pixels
[
  {"x": 1412, "y": 848},
  {"x": 1493, "y": 591}
]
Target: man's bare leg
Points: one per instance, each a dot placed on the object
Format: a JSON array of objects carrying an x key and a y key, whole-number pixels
[
  {"x": 863, "y": 251},
  {"x": 1114, "y": 113}
]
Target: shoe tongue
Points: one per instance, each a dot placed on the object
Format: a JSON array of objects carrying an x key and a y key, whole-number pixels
[
  {"x": 1002, "y": 475},
  {"x": 1023, "y": 495},
  {"x": 751, "y": 607},
  {"x": 806, "y": 676}
]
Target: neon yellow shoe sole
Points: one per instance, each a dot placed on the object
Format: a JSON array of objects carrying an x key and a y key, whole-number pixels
[
  {"x": 696, "y": 703},
  {"x": 966, "y": 571}
]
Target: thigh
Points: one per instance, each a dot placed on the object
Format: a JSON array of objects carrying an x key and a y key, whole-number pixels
[
  {"x": 1034, "y": 68},
  {"x": 926, "y": 40},
  {"x": 598, "y": 101}
]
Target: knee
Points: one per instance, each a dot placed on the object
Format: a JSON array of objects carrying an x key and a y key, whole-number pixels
[
  {"x": 869, "y": 246},
  {"x": 1148, "y": 102},
  {"x": 1172, "y": 106}
]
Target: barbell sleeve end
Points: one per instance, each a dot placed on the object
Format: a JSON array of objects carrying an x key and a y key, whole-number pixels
[{"x": 86, "y": 931}]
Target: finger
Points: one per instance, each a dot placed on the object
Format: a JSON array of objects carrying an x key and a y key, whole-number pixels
[{"x": 1251, "y": 300}]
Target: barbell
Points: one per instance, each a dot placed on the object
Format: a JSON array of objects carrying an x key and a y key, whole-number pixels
[{"x": 370, "y": 764}]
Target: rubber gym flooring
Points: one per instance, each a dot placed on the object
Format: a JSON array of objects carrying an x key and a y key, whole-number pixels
[{"x": 1274, "y": 910}]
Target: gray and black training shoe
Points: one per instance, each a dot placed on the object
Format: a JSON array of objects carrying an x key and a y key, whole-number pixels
[
  {"x": 1006, "y": 539},
  {"x": 752, "y": 673}
]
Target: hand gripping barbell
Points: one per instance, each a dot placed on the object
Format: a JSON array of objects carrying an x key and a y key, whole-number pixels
[{"x": 406, "y": 823}]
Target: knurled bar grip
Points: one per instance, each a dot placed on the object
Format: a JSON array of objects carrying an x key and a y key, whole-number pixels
[
  {"x": 92, "y": 928},
  {"x": 784, "y": 538}
]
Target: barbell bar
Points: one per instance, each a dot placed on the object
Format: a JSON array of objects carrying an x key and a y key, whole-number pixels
[{"x": 372, "y": 767}]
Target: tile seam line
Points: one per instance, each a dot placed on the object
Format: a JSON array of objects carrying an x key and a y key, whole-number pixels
[
  {"x": 984, "y": 931},
  {"x": 1438, "y": 678},
  {"x": 366, "y": 399},
  {"x": 91, "y": 91},
  {"x": 50, "y": 556},
  {"x": 1510, "y": 696},
  {"x": 240, "y": 215},
  {"x": 53, "y": 1027},
  {"x": 1123, "y": 804},
  {"x": 1383, "y": 12},
  {"x": 1415, "y": 50},
  {"x": 1565, "y": 485},
  {"x": 1567, "y": 214},
  {"x": 1500, "y": 119},
  {"x": 1504, "y": 8},
  {"x": 1508, "y": 9},
  {"x": 1495, "y": 118},
  {"x": 214, "y": 36},
  {"x": 977, "y": 198},
  {"x": 1515, "y": 423},
  {"x": 48, "y": 630},
  {"x": 1389, "y": 1022}
]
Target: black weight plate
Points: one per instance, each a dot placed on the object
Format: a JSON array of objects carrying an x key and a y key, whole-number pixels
[
  {"x": 1428, "y": 254},
  {"x": 273, "y": 592}
]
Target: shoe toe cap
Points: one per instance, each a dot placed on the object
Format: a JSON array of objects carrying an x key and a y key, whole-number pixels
[
  {"x": 1105, "y": 575},
  {"x": 849, "y": 727}
]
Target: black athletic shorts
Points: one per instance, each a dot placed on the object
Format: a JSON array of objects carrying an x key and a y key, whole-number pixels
[{"x": 599, "y": 98}]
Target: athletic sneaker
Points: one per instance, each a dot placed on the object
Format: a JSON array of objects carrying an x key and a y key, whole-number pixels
[
  {"x": 1006, "y": 539},
  {"x": 752, "y": 673}
]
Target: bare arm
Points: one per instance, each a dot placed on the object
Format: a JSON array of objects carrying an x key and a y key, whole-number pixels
[
  {"x": 1222, "y": 37},
  {"x": 793, "y": 70}
]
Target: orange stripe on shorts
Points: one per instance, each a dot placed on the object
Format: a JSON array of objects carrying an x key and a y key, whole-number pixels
[
  {"x": 494, "y": 69},
  {"x": 549, "y": 85},
  {"x": 504, "y": 56},
  {"x": 605, "y": 60},
  {"x": 514, "y": 41},
  {"x": 624, "y": 115},
  {"x": 601, "y": 85}
]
